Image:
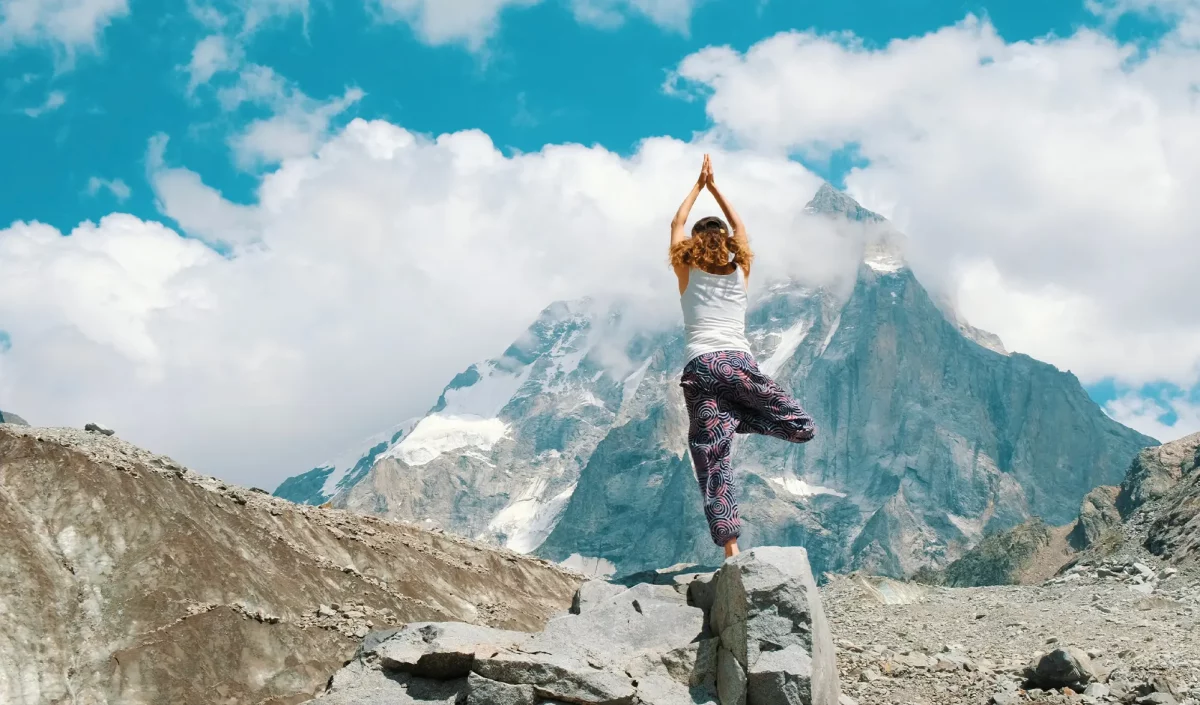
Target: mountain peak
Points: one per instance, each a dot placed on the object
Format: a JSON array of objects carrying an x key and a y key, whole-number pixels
[
  {"x": 9, "y": 417},
  {"x": 832, "y": 202}
]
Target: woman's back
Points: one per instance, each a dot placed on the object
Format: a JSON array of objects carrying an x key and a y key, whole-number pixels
[{"x": 714, "y": 312}]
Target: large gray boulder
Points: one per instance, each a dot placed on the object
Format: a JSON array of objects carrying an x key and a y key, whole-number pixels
[
  {"x": 767, "y": 613},
  {"x": 1064, "y": 667},
  {"x": 642, "y": 644},
  {"x": 442, "y": 651}
]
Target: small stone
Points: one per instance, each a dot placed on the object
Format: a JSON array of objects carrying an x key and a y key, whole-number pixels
[
  {"x": 325, "y": 611},
  {"x": 97, "y": 428},
  {"x": 1164, "y": 684},
  {"x": 1096, "y": 690},
  {"x": 1157, "y": 699}
]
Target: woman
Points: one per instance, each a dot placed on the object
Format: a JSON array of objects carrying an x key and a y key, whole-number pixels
[{"x": 722, "y": 385}]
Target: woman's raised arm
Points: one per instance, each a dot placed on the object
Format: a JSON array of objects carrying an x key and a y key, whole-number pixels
[{"x": 679, "y": 222}]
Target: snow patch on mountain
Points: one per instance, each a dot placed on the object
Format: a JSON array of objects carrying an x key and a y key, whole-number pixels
[
  {"x": 487, "y": 395},
  {"x": 633, "y": 381},
  {"x": 442, "y": 433},
  {"x": 590, "y": 566},
  {"x": 790, "y": 340},
  {"x": 970, "y": 528},
  {"x": 800, "y": 488},
  {"x": 833, "y": 329},
  {"x": 528, "y": 520},
  {"x": 349, "y": 461},
  {"x": 884, "y": 263}
]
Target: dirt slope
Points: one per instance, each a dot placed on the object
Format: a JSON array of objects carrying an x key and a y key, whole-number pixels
[{"x": 125, "y": 578}]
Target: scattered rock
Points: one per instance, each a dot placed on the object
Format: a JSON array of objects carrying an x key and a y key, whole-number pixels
[
  {"x": 97, "y": 428},
  {"x": 1063, "y": 667}
]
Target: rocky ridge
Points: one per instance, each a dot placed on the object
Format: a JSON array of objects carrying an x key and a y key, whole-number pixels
[
  {"x": 126, "y": 577},
  {"x": 1154, "y": 511}
]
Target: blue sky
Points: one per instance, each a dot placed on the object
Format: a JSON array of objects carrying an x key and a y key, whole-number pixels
[{"x": 101, "y": 115}]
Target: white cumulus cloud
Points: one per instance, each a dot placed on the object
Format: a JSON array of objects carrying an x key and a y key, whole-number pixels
[
  {"x": 670, "y": 14},
  {"x": 211, "y": 55},
  {"x": 54, "y": 101},
  {"x": 296, "y": 127},
  {"x": 1150, "y": 415},
  {"x": 473, "y": 22},
  {"x": 68, "y": 25},
  {"x": 118, "y": 188}
]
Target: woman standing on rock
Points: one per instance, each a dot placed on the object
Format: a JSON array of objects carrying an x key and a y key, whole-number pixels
[{"x": 722, "y": 385}]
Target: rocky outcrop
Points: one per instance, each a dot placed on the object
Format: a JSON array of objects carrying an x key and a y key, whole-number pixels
[
  {"x": 1174, "y": 532},
  {"x": 1155, "y": 471},
  {"x": 775, "y": 641},
  {"x": 9, "y": 417},
  {"x": 1098, "y": 519},
  {"x": 127, "y": 578},
  {"x": 754, "y": 633},
  {"x": 1001, "y": 558}
]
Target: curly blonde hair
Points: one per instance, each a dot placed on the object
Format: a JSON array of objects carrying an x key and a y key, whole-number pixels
[{"x": 711, "y": 247}]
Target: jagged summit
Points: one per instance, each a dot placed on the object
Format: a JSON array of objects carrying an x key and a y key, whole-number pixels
[
  {"x": 884, "y": 248},
  {"x": 830, "y": 201}
]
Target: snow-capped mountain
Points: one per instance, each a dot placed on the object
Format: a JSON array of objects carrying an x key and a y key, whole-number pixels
[{"x": 572, "y": 443}]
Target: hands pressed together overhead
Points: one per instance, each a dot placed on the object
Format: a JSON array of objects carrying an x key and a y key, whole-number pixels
[{"x": 706, "y": 173}]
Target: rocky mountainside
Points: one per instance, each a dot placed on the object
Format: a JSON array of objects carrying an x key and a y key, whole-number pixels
[
  {"x": 126, "y": 578},
  {"x": 9, "y": 417},
  {"x": 1155, "y": 512},
  {"x": 572, "y": 443}
]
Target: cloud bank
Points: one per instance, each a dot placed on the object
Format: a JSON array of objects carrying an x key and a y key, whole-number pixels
[{"x": 363, "y": 278}]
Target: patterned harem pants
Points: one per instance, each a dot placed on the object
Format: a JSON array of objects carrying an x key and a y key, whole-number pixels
[{"x": 727, "y": 394}]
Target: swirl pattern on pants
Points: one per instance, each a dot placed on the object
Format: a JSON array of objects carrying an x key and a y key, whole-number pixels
[{"x": 726, "y": 394}]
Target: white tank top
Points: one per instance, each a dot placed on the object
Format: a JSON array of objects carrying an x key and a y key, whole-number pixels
[{"x": 714, "y": 313}]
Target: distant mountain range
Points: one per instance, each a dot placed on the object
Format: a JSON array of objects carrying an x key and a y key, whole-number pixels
[{"x": 931, "y": 434}]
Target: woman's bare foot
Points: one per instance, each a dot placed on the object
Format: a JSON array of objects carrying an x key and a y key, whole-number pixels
[{"x": 731, "y": 548}]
